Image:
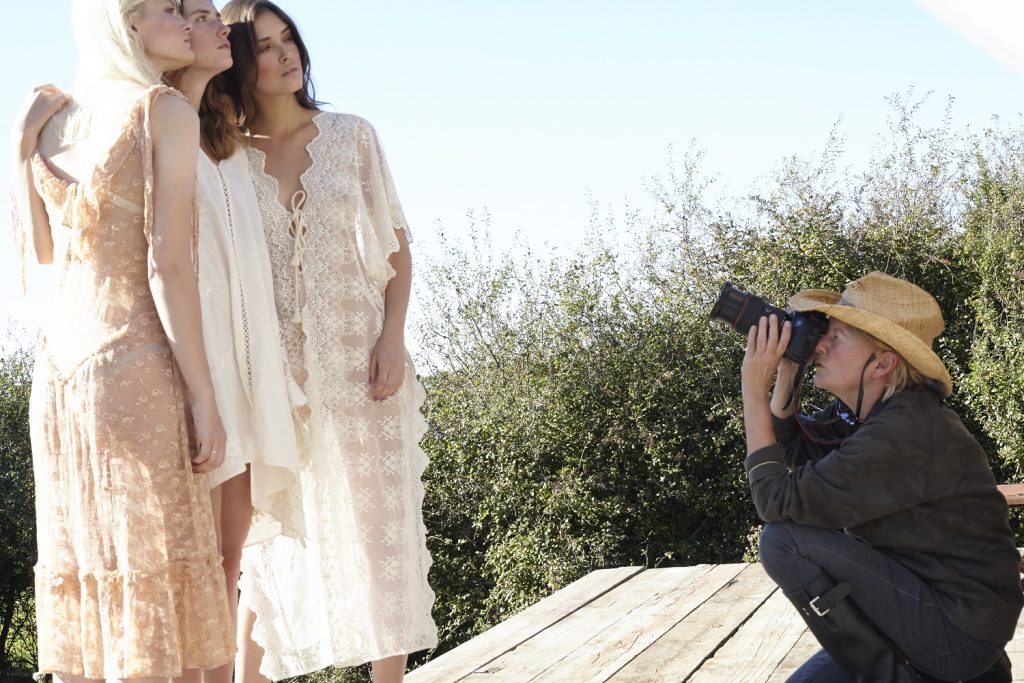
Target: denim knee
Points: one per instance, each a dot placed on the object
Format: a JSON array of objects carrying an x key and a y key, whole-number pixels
[{"x": 777, "y": 547}]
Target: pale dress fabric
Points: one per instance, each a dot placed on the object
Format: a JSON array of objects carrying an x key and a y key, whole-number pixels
[
  {"x": 256, "y": 395},
  {"x": 357, "y": 590},
  {"x": 129, "y": 580}
]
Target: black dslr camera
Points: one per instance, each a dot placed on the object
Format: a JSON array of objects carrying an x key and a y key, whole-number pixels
[{"x": 741, "y": 310}]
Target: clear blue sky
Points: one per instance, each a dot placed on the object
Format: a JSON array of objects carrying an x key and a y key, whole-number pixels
[{"x": 523, "y": 108}]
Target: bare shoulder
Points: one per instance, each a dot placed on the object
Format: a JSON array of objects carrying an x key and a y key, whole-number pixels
[{"x": 173, "y": 117}]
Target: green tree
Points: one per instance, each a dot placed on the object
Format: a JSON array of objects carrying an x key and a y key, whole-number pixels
[{"x": 17, "y": 519}]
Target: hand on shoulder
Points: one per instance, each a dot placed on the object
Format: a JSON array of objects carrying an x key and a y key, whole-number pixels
[{"x": 39, "y": 106}]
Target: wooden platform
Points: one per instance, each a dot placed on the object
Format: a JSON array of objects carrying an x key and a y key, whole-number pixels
[{"x": 724, "y": 623}]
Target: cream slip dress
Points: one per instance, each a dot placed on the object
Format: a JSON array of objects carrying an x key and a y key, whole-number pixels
[
  {"x": 357, "y": 590},
  {"x": 256, "y": 395}
]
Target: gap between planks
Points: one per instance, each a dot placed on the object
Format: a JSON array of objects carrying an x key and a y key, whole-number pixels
[{"x": 509, "y": 634}]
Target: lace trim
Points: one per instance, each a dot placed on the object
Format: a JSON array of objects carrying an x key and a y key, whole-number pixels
[
  {"x": 246, "y": 336},
  {"x": 366, "y": 593}
]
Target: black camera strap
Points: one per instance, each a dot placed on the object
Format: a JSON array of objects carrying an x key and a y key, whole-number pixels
[{"x": 860, "y": 390}]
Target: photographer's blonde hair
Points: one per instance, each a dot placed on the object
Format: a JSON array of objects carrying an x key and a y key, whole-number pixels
[
  {"x": 904, "y": 376},
  {"x": 110, "y": 56}
]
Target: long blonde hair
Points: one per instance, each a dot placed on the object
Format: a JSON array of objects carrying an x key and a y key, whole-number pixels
[{"x": 111, "y": 57}]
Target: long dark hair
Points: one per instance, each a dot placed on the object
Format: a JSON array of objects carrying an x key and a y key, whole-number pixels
[
  {"x": 219, "y": 132},
  {"x": 240, "y": 80}
]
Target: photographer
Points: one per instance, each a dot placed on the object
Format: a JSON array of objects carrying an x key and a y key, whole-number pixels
[{"x": 884, "y": 525}]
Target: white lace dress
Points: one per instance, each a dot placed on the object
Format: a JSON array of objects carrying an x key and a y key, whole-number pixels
[
  {"x": 256, "y": 395},
  {"x": 356, "y": 591}
]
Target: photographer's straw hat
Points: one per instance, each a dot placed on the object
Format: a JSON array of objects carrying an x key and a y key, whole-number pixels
[{"x": 899, "y": 313}]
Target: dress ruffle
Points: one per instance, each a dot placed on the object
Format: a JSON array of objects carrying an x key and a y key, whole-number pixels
[{"x": 130, "y": 624}]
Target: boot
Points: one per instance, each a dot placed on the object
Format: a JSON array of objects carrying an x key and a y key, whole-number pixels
[{"x": 847, "y": 635}]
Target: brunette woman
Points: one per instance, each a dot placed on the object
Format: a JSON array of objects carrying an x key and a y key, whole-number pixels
[
  {"x": 255, "y": 393},
  {"x": 339, "y": 246}
]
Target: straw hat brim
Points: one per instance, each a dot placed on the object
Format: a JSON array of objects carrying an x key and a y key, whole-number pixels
[{"x": 908, "y": 345}]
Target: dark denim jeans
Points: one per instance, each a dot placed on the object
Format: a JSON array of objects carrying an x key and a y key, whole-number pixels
[{"x": 897, "y": 601}]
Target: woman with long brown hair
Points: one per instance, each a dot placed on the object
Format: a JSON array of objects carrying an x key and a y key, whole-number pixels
[
  {"x": 357, "y": 590},
  {"x": 253, "y": 489}
]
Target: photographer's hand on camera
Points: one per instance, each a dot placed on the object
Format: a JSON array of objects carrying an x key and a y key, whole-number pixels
[
  {"x": 782, "y": 405},
  {"x": 766, "y": 344}
]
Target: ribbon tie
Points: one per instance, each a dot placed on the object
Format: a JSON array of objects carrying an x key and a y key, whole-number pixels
[{"x": 297, "y": 228}]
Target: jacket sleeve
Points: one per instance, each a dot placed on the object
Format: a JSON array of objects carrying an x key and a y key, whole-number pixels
[
  {"x": 813, "y": 437},
  {"x": 875, "y": 472}
]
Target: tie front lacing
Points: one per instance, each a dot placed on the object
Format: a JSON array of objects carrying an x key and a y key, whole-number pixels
[{"x": 297, "y": 228}]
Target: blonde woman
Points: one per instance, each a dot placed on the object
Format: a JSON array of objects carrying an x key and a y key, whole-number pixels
[
  {"x": 884, "y": 526},
  {"x": 123, "y": 415}
]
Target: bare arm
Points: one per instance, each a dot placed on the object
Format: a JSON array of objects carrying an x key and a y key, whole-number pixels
[
  {"x": 387, "y": 361},
  {"x": 41, "y": 104},
  {"x": 765, "y": 346},
  {"x": 172, "y": 278}
]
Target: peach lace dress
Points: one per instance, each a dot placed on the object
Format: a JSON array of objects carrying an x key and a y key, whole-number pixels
[{"x": 129, "y": 580}]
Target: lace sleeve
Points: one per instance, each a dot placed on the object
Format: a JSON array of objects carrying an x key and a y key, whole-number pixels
[{"x": 379, "y": 188}]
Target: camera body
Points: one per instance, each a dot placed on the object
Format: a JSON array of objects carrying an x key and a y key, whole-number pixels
[{"x": 741, "y": 310}]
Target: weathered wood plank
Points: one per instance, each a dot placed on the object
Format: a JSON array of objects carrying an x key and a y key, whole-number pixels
[
  {"x": 475, "y": 653},
  {"x": 754, "y": 652},
  {"x": 804, "y": 648},
  {"x": 608, "y": 651},
  {"x": 682, "y": 650},
  {"x": 531, "y": 659},
  {"x": 1014, "y": 493}
]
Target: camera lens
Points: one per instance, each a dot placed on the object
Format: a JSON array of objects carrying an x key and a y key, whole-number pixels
[{"x": 729, "y": 304}]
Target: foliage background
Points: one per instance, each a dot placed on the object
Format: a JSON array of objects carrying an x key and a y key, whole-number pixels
[{"x": 584, "y": 413}]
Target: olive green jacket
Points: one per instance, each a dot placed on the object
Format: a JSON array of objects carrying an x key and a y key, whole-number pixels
[{"x": 912, "y": 482}]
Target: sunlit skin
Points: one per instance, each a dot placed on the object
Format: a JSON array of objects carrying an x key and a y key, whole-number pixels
[
  {"x": 839, "y": 358},
  {"x": 164, "y": 34},
  {"x": 208, "y": 37},
  {"x": 278, "y": 60}
]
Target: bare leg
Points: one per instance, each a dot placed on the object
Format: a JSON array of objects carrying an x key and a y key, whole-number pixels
[
  {"x": 187, "y": 676},
  {"x": 232, "y": 508},
  {"x": 247, "y": 661},
  {"x": 389, "y": 669}
]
